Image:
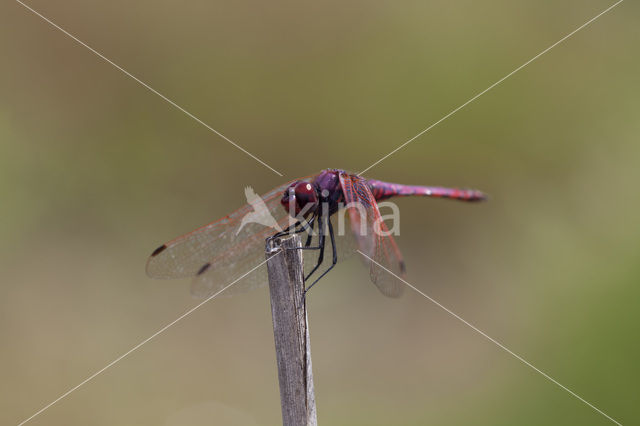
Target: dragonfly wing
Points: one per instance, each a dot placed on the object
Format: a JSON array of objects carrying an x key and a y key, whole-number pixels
[
  {"x": 216, "y": 278},
  {"x": 220, "y": 252},
  {"x": 244, "y": 274},
  {"x": 372, "y": 235}
]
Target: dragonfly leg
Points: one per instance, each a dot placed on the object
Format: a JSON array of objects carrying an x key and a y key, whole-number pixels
[
  {"x": 307, "y": 225},
  {"x": 307, "y": 244},
  {"x": 288, "y": 231},
  {"x": 321, "y": 238},
  {"x": 333, "y": 262},
  {"x": 310, "y": 236},
  {"x": 291, "y": 229},
  {"x": 268, "y": 245}
]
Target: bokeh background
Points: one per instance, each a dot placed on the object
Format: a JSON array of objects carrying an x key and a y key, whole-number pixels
[{"x": 96, "y": 171}]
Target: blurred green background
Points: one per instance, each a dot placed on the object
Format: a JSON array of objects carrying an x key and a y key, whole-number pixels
[{"x": 96, "y": 171}]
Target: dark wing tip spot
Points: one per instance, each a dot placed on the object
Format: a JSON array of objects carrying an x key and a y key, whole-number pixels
[
  {"x": 158, "y": 250},
  {"x": 203, "y": 269}
]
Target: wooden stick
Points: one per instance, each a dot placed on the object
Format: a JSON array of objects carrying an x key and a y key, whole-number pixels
[{"x": 291, "y": 332}]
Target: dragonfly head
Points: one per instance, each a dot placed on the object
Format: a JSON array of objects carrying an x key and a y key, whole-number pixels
[{"x": 300, "y": 198}]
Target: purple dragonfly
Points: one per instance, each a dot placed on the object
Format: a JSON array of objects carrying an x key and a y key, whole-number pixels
[{"x": 220, "y": 252}]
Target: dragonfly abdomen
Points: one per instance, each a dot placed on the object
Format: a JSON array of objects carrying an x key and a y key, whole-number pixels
[{"x": 383, "y": 190}]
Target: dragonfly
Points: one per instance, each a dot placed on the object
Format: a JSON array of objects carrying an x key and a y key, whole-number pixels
[{"x": 216, "y": 254}]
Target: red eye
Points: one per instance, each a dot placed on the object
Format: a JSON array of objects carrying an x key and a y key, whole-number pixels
[
  {"x": 300, "y": 197},
  {"x": 306, "y": 198},
  {"x": 305, "y": 193},
  {"x": 289, "y": 196}
]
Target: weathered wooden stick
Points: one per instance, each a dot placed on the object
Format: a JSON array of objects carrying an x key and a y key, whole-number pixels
[{"x": 291, "y": 333}]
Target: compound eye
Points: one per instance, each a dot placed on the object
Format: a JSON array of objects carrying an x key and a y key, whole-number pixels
[
  {"x": 305, "y": 192},
  {"x": 289, "y": 195}
]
